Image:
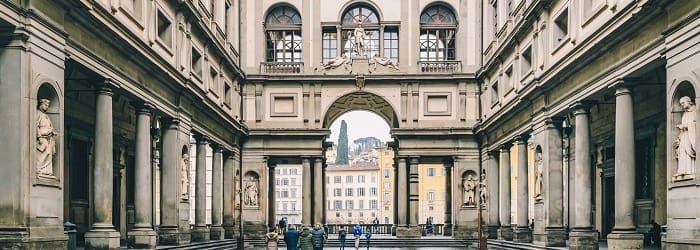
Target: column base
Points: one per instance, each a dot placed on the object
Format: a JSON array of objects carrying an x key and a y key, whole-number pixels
[
  {"x": 522, "y": 235},
  {"x": 492, "y": 232},
  {"x": 552, "y": 237},
  {"x": 142, "y": 238},
  {"x": 102, "y": 237},
  {"x": 216, "y": 233},
  {"x": 406, "y": 231},
  {"x": 19, "y": 238},
  {"x": 447, "y": 230},
  {"x": 583, "y": 239},
  {"x": 466, "y": 231},
  {"x": 200, "y": 234},
  {"x": 229, "y": 232},
  {"x": 625, "y": 240},
  {"x": 505, "y": 233}
]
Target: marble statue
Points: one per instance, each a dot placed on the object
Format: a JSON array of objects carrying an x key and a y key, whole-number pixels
[
  {"x": 384, "y": 61},
  {"x": 251, "y": 193},
  {"x": 483, "y": 190},
  {"x": 342, "y": 60},
  {"x": 45, "y": 142},
  {"x": 685, "y": 143},
  {"x": 538, "y": 176},
  {"x": 469, "y": 191},
  {"x": 185, "y": 176},
  {"x": 359, "y": 36}
]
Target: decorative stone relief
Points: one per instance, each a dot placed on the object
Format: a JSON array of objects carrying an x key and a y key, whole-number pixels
[
  {"x": 250, "y": 194},
  {"x": 383, "y": 61},
  {"x": 185, "y": 177},
  {"x": 685, "y": 143},
  {"x": 342, "y": 60},
  {"x": 483, "y": 191},
  {"x": 45, "y": 142}
]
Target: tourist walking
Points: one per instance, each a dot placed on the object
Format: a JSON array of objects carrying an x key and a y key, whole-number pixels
[
  {"x": 291, "y": 238},
  {"x": 357, "y": 232},
  {"x": 305, "y": 240},
  {"x": 341, "y": 237},
  {"x": 319, "y": 237},
  {"x": 368, "y": 235},
  {"x": 272, "y": 237}
]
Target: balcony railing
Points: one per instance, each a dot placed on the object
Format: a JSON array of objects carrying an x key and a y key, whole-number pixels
[
  {"x": 281, "y": 67},
  {"x": 439, "y": 66}
]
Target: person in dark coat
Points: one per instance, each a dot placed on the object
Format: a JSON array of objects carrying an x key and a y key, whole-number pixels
[
  {"x": 342, "y": 234},
  {"x": 291, "y": 238},
  {"x": 305, "y": 240},
  {"x": 319, "y": 237}
]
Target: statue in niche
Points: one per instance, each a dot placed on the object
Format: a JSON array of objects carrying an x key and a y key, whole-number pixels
[
  {"x": 483, "y": 190},
  {"x": 250, "y": 198},
  {"x": 342, "y": 60},
  {"x": 685, "y": 143},
  {"x": 538, "y": 176},
  {"x": 359, "y": 36},
  {"x": 185, "y": 177},
  {"x": 469, "y": 189},
  {"x": 45, "y": 142},
  {"x": 384, "y": 61}
]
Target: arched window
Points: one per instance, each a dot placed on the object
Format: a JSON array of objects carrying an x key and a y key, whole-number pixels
[
  {"x": 437, "y": 34},
  {"x": 360, "y": 23},
  {"x": 283, "y": 32}
]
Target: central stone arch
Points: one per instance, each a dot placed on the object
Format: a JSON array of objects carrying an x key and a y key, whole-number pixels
[{"x": 361, "y": 100}]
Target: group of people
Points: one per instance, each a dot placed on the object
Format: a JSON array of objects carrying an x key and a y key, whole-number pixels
[{"x": 312, "y": 239}]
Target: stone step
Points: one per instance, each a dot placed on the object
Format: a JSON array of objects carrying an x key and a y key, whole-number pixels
[
  {"x": 438, "y": 242},
  {"x": 502, "y": 244},
  {"x": 217, "y": 244}
]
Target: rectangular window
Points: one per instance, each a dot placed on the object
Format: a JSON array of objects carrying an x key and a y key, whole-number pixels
[
  {"x": 349, "y": 205},
  {"x": 387, "y": 173},
  {"x": 293, "y": 205},
  {"x": 431, "y": 171},
  {"x": 509, "y": 78},
  {"x": 227, "y": 17},
  {"x": 362, "y": 214},
  {"x": 227, "y": 94},
  {"x": 285, "y": 194},
  {"x": 293, "y": 193},
  {"x": 337, "y": 204},
  {"x": 361, "y": 179},
  {"x": 348, "y": 192},
  {"x": 373, "y": 191},
  {"x": 330, "y": 44},
  {"x": 391, "y": 43},
  {"x": 362, "y": 205},
  {"x": 293, "y": 181},
  {"x": 337, "y": 192},
  {"x": 372, "y": 204},
  {"x": 374, "y": 179},
  {"x": 284, "y": 46},
  {"x": 349, "y": 214},
  {"x": 387, "y": 196},
  {"x": 336, "y": 179},
  {"x": 165, "y": 33},
  {"x": 437, "y": 44},
  {"x": 360, "y": 191},
  {"x": 285, "y": 182},
  {"x": 196, "y": 64},
  {"x": 348, "y": 179},
  {"x": 431, "y": 196},
  {"x": 561, "y": 26},
  {"x": 494, "y": 93},
  {"x": 337, "y": 214},
  {"x": 526, "y": 62}
]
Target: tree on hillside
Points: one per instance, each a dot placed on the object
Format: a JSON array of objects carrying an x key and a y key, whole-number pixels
[{"x": 342, "y": 157}]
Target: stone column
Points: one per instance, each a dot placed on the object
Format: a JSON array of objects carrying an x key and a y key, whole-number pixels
[
  {"x": 271, "y": 201},
  {"x": 549, "y": 211},
  {"x": 229, "y": 191},
  {"x": 201, "y": 232},
  {"x": 505, "y": 232},
  {"x": 142, "y": 234},
  {"x": 522, "y": 232},
  {"x": 583, "y": 236},
  {"x": 102, "y": 234},
  {"x": 216, "y": 231},
  {"x": 306, "y": 198},
  {"x": 318, "y": 191},
  {"x": 414, "y": 204},
  {"x": 492, "y": 188},
  {"x": 168, "y": 230},
  {"x": 447, "y": 231},
  {"x": 624, "y": 234},
  {"x": 402, "y": 186}
]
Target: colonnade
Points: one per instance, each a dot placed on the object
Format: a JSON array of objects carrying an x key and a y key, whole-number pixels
[
  {"x": 174, "y": 195},
  {"x": 546, "y": 139}
]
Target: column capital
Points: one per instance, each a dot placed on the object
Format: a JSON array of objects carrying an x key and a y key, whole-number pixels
[
  {"x": 581, "y": 107},
  {"x": 216, "y": 148},
  {"x": 521, "y": 139},
  {"x": 505, "y": 147},
  {"x": 144, "y": 108},
  {"x": 413, "y": 160},
  {"x": 104, "y": 88},
  {"x": 202, "y": 139},
  {"x": 623, "y": 90}
]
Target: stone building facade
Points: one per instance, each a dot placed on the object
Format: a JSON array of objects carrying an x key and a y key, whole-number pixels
[{"x": 592, "y": 100}]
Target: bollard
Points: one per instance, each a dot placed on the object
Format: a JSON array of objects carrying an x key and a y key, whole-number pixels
[{"x": 69, "y": 229}]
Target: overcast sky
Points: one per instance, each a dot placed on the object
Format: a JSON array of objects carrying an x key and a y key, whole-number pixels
[{"x": 361, "y": 124}]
